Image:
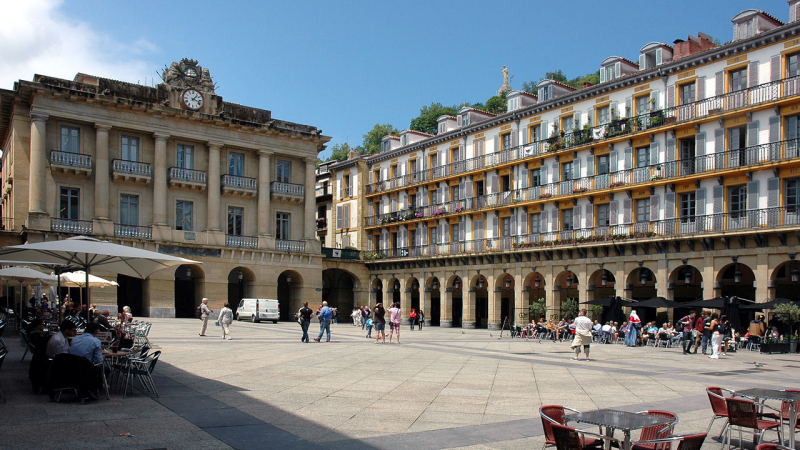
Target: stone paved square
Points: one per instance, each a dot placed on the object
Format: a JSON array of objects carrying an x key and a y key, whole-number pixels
[{"x": 440, "y": 388}]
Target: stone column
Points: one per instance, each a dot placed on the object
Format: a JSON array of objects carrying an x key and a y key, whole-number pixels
[
  {"x": 468, "y": 314},
  {"x": 212, "y": 221},
  {"x": 310, "y": 201},
  {"x": 37, "y": 187},
  {"x": 495, "y": 303},
  {"x": 263, "y": 192},
  {"x": 405, "y": 303},
  {"x": 520, "y": 305},
  {"x": 101, "y": 172},
  {"x": 446, "y": 308},
  {"x": 160, "y": 180},
  {"x": 426, "y": 302}
]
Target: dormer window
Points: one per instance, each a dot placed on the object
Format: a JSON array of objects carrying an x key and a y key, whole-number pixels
[
  {"x": 513, "y": 104},
  {"x": 544, "y": 93},
  {"x": 442, "y": 127},
  {"x": 654, "y": 54},
  {"x": 463, "y": 119},
  {"x": 745, "y": 29},
  {"x": 403, "y": 140},
  {"x": 386, "y": 146},
  {"x": 750, "y": 22}
]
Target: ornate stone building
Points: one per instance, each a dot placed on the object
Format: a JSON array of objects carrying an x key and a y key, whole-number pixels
[
  {"x": 675, "y": 176},
  {"x": 171, "y": 168}
]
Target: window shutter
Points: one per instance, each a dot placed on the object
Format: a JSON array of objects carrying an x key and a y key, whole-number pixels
[
  {"x": 424, "y": 163},
  {"x": 628, "y": 158},
  {"x": 338, "y": 217},
  {"x": 774, "y": 137},
  {"x": 654, "y": 96},
  {"x": 394, "y": 204},
  {"x": 589, "y": 209},
  {"x": 654, "y": 153},
  {"x": 496, "y": 143},
  {"x": 523, "y": 222},
  {"x": 544, "y": 224},
  {"x": 719, "y": 193},
  {"x": 514, "y": 138},
  {"x": 700, "y": 144},
  {"x": 627, "y": 210},
  {"x": 700, "y": 88},
  {"x": 545, "y": 131},
  {"x": 350, "y": 185},
  {"x": 402, "y": 202},
  {"x": 613, "y": 110},
  {"x": 590, "y": 165},
  {"x": 339, "y": 188},
  {"x": 555, "y": 172},
  {"x": 775, "y": 68},
  {"x": 576, "y": 169},
  {"x": 617, "y": 68},
  {"x": 752, "y": 133},
  {"x": 669, "y": 205},
  {"x": 523, "y": 177},
  {"x": 719, "y": 84},
  {"x": 576, "y": 218},
  {"x": 525, "y": 132},
  {"x": 654, "y": 207},
  {"x": 462, "y": 152},
  {"x": 642, "y": 62},
  {"x": 495, "y": 221},
  {"x": 445, "y": 233},
  {"x": 659, "y": 56},
  {"x": 424, "y": 236},
  {"x": 576, "y": 120},
  {"x": 670, "y": 156},
  {"x": 612, "y": 161},
  {"x": 514, "y": 230},
  {"x": 346, "y": 211},
  {"x": 670, "y": 96},
  {"x": 773, "y": 192},
  {"x": 603, "y": 75},
  {"x": 719, "y": 140},
  {"x": 369, "y": 244},
  {"x": 495, "y": 183},
  {"x": 752, "y": 195},
  {"x": 469, "y": 193},
  {"x": 462, "y": 189},
  {"x": 629, "y": 107},
  {"x": 613, "y": 213},
  {"x": 462, "y": 231},
  {"x": 700, "y": 202},
  {"x": 554, "y": 220},
  {"x": 752, "y": 74},
  {"x": 543, "y": 175}
]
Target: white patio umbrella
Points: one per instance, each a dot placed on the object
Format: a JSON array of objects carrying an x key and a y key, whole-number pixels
[
  {"x": 87, "y": 254},
  {"x": 78, "y": 279},
  {"x": 25, "y": 275}
]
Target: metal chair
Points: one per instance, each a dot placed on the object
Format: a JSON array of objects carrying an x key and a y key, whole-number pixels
[
  {"x": 656, "y": 431},
  {"x": 142, "y": 369},
  {"x": 685, "y": 442},
  {"x": 771, "y": 446},
  {"x": 25, "y": 343},
  {"x": 718, "y": 407},
  {"x": 554, "y": 415},
  {"x": 743, "y": 414},
  {"x": 568, "y": 438}
]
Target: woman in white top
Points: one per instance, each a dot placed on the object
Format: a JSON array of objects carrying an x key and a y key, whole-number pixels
[{"x": 225, "y": 319}]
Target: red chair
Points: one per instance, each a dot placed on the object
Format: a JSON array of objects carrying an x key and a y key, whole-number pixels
[
  {"x": 685, "y": 442},
  {"x": 743, "y": 414},
  {"x": 567, "y": 438},
  {"x": 655, "y": 432},
  {"x": 554, "y": 415},
  {"x": 771, "y": 446},
  {"x": 718, "y": 407}
]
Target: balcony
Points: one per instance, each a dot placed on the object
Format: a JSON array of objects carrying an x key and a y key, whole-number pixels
[
  {"x": 706, "y": 109},
  {"x": 187, "y": 178},
  {"x": 283, "y": 245},
  {"x": 287, "y": 192},
  {"x": 71, "y": 226},
  {"x": 70, "y": 163},
  {"x": 132, "y": 231},
  {"x": 131, "y": 171},
  {"x": 233, "y": 240},
  {"x": 235, "y": 185},
  {"x": 772, "y": 154}
]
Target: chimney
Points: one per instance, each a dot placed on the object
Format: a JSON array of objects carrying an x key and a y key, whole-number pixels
[{"x": 693, "y": 45}]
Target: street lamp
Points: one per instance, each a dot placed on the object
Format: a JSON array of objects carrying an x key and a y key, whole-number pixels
[
  {"x": 569, "y": 280},
  {"x": 435, "y": 285},
  {"x": 644, "y": 276},
  {"x": 241, "y": 276},
  {"x": 188, "y": 273},
  {"x": 537, "y": 282},
  {"x": 604, "y": 279},
  {"x": 415, "y": 284},
  {"x": 687, "y": 276},
  {"x": 795, "y": 275},
  {"x": 508, "y": 283},
  {"x": 737, "y": 276},
  {"x": 480, "y": 283},
  {"x": 457, "y": 283}
]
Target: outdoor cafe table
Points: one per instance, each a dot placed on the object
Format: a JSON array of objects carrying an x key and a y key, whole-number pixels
[
  {"x": 613, "y": 419},
  {"x": 774, "y": 394}
]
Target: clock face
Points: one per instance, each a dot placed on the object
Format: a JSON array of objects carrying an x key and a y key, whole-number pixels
[
  {"x": 190, "y": 72},
  {"x": 192, "y": 99}
]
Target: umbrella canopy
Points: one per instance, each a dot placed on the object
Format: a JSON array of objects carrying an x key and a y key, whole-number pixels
[
  {"x": 78, "y": 279},
  {"x": 605, "y": 301},
  {"x": 714, "y": 303},
  {"x": 90, "y": 254},
  {"x": 615, "y": 313},
  {"x": 658, "y": 302},
  {"x": 768, "y": 305},
  {"x": 25, "y": 275}
]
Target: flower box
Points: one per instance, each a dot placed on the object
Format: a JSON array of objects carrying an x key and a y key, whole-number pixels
[
  {"x": 617, "y": 184},
  {"x": 545, "y": 195}
]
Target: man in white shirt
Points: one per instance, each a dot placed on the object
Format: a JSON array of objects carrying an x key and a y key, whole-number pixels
[
  {"x": 59, "y": 343},
  {"x": 583, "y": 335},
  {"x": 606, "y": 332}
]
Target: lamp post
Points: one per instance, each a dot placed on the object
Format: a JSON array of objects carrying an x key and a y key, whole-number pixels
[
  {"x": 604, "y": 278},
  {"x": 480, "y": 283},
  {"x": 457, "y": 284},
  {"x": 687, "y": 276},
  {"x": 508, "y": 283}
]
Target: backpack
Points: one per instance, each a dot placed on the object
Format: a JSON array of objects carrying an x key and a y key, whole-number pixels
[
  {"x": 199, "y": 312},
  {"x": 327, "y": 314}
]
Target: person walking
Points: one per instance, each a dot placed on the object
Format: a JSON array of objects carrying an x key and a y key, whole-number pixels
[
  {"x": 365, "y": 313},
  {"x": 224, "y": 320},
  {"x": 634, "y": 325},
  {"x": 205, "y": 313},
  {"x": 412, "y": 318},
  {"x": 420, "y": 319},
  {"x": 700, "y": 336},
  {"x": 325, "y": 316},
  {"x": 688, "y": 324},
  {"x": 583, "y": 335},
  {"x": 716, "y": 337},
  {"x": 379, "y": 320},
  {"x": 304, "y": 317},
  {"x": 394, "y": 321}
]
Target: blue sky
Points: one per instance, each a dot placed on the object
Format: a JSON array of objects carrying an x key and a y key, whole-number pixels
[{"x": 344, "y": 66}]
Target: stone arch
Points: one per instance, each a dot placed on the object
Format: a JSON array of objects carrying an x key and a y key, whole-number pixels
[
  {"x": 533, "y": 288},
  {"x": 479, "y": 290},
  {"x": 635, "y": 289},
  {"x": 393, "y": 286},
  {"x": 241, "y": 282},
  {"x": 726, "y": 281},
  {"x": 781, "y": 280},
  {"x": 683, "y": 291},
  {"x": 289, "y": 299},
  {"x": 338, "y": 289},
  {"x": 601, "y": 283},
  {"x": 189, "y": 289}
]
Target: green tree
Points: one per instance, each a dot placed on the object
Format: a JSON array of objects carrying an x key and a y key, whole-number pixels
[
  {"x": 372, "y": 140},
  {"x": 569, "y": 308},
  {"x": 788, "y": 313},
  {"x": 427, "y": 121},
  {"x": 558, "y": 75},
  {"x": 597, "y": 311},
  {"x": 538, "y": 308},
  {"x": 529, "y": 87},
  {"x": 339, "y": 152},
  {"x": 495, "y": 105}
]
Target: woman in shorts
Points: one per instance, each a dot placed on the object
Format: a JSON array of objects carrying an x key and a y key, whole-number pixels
[
  {"x": 394, "y": 324},
  {"x": 379, "y": 321}
]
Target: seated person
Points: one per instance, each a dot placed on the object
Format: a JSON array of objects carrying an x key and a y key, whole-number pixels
[
  {"x": 528, "y": 331},
  {"x": 59, "y": 343},
  {"x": 652, "y": 333},
  {"x": 87, "y": 345},
  {"x": 38, "y": 337},
  {"x": 562, "y": 329},
  {"x": 541, "y": 328},
  {"x": 605, "y": 331}
]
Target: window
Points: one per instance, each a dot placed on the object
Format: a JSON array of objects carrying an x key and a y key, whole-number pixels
[
  {"x": 505, "y": 226},
  {"x": 69, "y": 207},
  {"x": 642, "y": 104},
  {"x": 737, "y": 200},
  {"x": 687, "y": 93},
  {"x": 505, "y": 183},
  {"x": 284, "y": 171},
  {"x": 602, "y": 115},
  {"x": 129, "y": 148},
  {"x": 536, "y": 177},
  {"x": 566, "y": 171},
  {"x": 536, "y": 223},
  {"x": 70, "y": 139},
  {"x": 567, "y": 124},
  {"x": 403, "y": 140},
  {"x": 479, "y": 189},
  {"x": 793, "y": 65},
  {"x": 792, "y": 129},
  {"x": 184, "y": 213},
  {"x": 464, "y": 120},
  {"x": 737, "y": 138},
  {"x": 738, "y": 80},
  {"x": 185, "y": 156},
  {"x": 566, "y": 219},
  {"x": 687, "y": 207},
  {"x": 602, "y": 165},
  {"x": 643, "y": 210},
  {"x": 413, "y": 166},
  {"x": 129, "y": 209},
  {"x": 235, "y": 220},
  {"x": 283, "y": 225},
  {"x": 603, "y": 217},
  {"x": 792, "y": 195},
  {"x": 442, "y": 127},
  {"x": 543, "y": 93},
  {"x": 505, "y": 143},
  {"x": 236, "y": 164},
  {"x": 393, "y": 171},
  {"x": 687, "y": 147},
  {"x": 412, "y": 201},
  {"x": 535, "y": 133},
  {"x": 642, "y": 156},
  {"x": 321, "y": 211}
]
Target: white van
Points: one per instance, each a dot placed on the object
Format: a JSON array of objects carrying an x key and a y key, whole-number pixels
[{"x": 258, "y": 309}]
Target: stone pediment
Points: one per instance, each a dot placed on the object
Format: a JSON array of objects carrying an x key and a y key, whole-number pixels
[{"x": 188, "y": 74}]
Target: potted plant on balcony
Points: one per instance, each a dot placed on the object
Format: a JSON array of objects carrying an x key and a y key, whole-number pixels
[{"x": 458, "y": 209}]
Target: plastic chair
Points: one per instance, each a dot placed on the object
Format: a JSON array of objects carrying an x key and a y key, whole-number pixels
[
  {"x": 718, "y": 407},
  {"x": 567, "y": 438},
  {"x": 743, "y": 414},
  {"x": 685, "y": 442},
  {"x": 554, "y": 415},
  {"x": 656, "y": 431},
  {"x": 771, "y": 446}
]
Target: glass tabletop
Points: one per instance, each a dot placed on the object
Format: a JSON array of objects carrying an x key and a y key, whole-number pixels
[
  {"x": 770, "y": 394},
  {"x": 620, "y": 420}
]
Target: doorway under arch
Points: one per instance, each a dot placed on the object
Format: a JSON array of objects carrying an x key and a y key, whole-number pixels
[
  {"x": 240, "y": 285},
  {"x": 288, "y": 300},
  {"x": 188, "y": 290},
  {"x": 338, "y": 290}
]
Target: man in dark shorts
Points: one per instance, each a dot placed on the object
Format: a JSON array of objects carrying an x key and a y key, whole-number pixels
[
  {"x": 304, "y": 317},
  {"x": 379, "y": 321}
]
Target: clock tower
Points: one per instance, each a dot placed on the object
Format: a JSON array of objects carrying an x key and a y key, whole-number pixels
[{"x": 190, "y": 87}]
